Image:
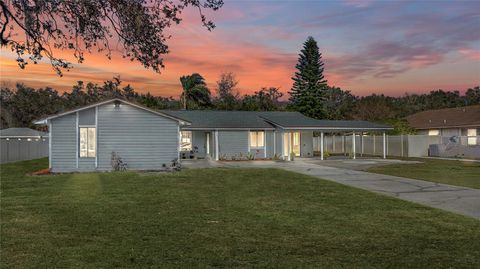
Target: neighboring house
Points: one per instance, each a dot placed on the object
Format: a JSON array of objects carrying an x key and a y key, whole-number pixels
[
  {"x": 448, "y": 122},
  {"x": 22, "y": 133},
  {"x": 84, "y": 139}
]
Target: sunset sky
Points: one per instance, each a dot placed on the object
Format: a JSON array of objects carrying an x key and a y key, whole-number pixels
[{"x": 389, "y": 47}]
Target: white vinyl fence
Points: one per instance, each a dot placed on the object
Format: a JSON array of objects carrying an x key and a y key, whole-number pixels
[
  {"x": 396, "y": 145},
  {"x": 13, "y": 149}
]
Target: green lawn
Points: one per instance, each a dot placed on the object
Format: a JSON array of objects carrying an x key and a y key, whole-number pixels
[
  {"x": 459, "y": 173},
  {"x": 230, "y": 218}
]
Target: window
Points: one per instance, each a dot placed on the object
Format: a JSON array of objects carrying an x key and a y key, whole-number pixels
[
  {"x": 186, "y": 141},
  {"x": 471, "y": 136},
  {"x": 434, "y": 132},
  {"x": 88, "y": 142},
  {"x": 257, "y": 139}
]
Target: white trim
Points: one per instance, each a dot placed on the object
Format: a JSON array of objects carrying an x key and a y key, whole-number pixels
[
  {"x": 216, "y": 145},
  {"x": 179, "y": 139},
  {"x": 334, "y": 128},
  {"x": 353, "y": 145},
  {"x": 96, "y": 137},
  {"x": 248, "y": 143},
  {"x": 223, "y": 129},
  {"x": 274, "y": 143},
  {"x": 76, "y": 139},
  {"x": 264, "y": 144},
  {"x": 50, "y": 136},
  {"x": 182, "y": 121},
  {"x": 321, "y": 146},
  {"x": 384, "y": 146}
]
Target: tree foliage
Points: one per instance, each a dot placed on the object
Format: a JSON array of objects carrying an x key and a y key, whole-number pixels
[
  {"x": 195, "y": 92},
  {"x": 136, "y": 28},
  {"x": 22, "y": 105},
  {"x": 227, "y": 95},
  {"x": 309, "y": 85},
  {"x": 266, "y": 99}
]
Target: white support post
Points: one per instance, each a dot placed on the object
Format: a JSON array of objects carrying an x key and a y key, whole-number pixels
[
  {"x": 321, "y": 146},
  {"x": 179, "y": 142},
  {"x": 384, "y": 146},
  {"x": 289, "y": 146},
  {"x": 361, "y": 143},
  {"x": 96, "y": 137},
  {"x": 274, "y": 143},
  {"x": 216, "y": 145},
  {"x": 265, "y": 144},
  {"x": 50, "y": 136},
  {"x": 76, "y": 139},
  {"x": 353, "y": 145},
  {"x": 374, "y": 149}
]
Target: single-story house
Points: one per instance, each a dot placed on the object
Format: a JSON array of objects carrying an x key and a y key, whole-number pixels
[
  {"x": 448, "y": 122},
  {"x": 83, "y": 139},
  {"x": 22, "y": 133}
]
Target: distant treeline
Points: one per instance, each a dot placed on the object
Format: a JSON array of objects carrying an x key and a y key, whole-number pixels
[{"x": 22, "y": 105}]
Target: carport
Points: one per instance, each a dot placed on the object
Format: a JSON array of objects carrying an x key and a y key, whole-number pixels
[{"x": 290, "y": 125}]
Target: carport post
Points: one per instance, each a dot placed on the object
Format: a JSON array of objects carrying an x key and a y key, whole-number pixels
[
  {"x": 353, "y": 144},
  {"x": 384, "y": 146},
  {"x": 321, "y": 146},
  {"x": 216, "y": 146}
]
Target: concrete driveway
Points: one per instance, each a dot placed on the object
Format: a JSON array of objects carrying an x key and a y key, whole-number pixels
[{"x": 461, "y": 200}]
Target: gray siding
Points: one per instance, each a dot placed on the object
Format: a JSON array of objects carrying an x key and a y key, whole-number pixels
[
  {"x": 232, "y": 143},
  {"x": 63, "y": 138},
  {"x": 269, "y": 143},
  {"x": 142, "y": 139},
  {"x": 306, "y": 144},
  {"x": 86, "y": 117},
  {"x": 279, "y": 142},
  {"x": 198, "y": 140}
]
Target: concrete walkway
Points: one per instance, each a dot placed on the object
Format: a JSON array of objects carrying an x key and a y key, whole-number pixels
[{"x": 461, "y": 200}]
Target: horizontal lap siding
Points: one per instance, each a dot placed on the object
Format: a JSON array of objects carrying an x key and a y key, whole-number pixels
[
  {"x": 63, "y": 144},
  {"x": 198, "y": 140},
  {"x": 142, "y": 139},
  {"x": 232, "y": 143},
  {"x": 269, "y": 143}
]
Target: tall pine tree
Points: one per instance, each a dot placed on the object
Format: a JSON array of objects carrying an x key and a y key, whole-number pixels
[{"x": 309, "y": 87}]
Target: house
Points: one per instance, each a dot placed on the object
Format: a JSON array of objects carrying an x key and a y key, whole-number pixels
[
  {"x": 83, "y": 139},
  {"x": 22, "y": 133},
  {"x": 448, "y": 122}
]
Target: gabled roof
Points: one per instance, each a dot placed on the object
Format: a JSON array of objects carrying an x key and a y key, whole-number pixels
[
  {"x": 21, "y": 132},
  {"x": 44, "y": 120},
  {"x": 468, "y": 116},
  {"x": 208, "y": 119}
]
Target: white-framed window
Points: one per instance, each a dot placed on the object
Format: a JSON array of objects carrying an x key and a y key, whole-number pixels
[
  {"x": 186, "y": 140},
  {"x": 433, "y": 132},
  {"x": 88, "y": 142},
  {"x": 257, "y": 139},
  {"x": 472, "y": 136}
]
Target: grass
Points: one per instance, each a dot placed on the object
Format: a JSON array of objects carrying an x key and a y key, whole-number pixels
[
  {"x": 230, "y": 218},
  {"x": 459, "y": 173}
]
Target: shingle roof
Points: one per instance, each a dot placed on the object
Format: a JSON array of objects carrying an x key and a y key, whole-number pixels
[
  {"x": 21, "y": 132},
  {"x": 468, "y": 116},
  {"x": 221, "y": 119},
  {"x": 297, "y": 120},
  {"x": 209, "y": 119}
]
